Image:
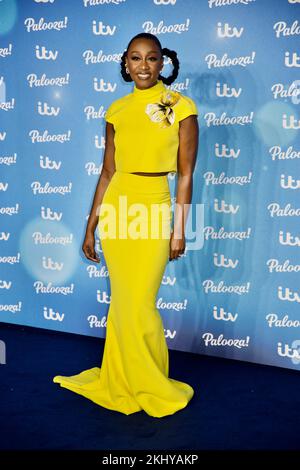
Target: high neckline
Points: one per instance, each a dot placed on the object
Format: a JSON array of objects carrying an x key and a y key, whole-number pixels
[{"x": 149, "y": 93}]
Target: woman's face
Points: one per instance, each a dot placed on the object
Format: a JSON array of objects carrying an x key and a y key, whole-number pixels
[{"x": 144, "y": 62}]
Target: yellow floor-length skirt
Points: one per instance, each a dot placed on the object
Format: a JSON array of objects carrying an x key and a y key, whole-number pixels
[{"x": 134, "y": 373}]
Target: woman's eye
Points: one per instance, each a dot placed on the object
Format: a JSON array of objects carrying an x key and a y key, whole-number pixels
[{"x": 151, "y": 58}]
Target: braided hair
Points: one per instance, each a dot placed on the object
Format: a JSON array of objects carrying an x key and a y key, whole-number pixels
[{"x": 164, "y": 51}]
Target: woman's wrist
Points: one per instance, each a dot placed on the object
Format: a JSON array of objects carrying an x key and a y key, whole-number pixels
[
  {"x": 178, "y": 232},
  {"x": 91, "y": 227}
]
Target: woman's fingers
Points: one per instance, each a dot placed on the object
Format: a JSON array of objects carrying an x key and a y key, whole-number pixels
[
  {"x": 93, "y": 258},
  {"x": 175, "y": 255},
  {"x": 90, "y": 254},
  {"x": 177, "y": 249}
]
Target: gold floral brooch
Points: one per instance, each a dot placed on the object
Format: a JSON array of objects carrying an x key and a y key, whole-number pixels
[{"x": 163, "y": 112}]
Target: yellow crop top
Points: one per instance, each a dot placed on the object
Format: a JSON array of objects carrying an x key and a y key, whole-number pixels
[{"x": 146, "y": 124}]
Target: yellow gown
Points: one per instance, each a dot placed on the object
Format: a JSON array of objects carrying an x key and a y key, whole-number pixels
[{"x": 134, "y": 374}]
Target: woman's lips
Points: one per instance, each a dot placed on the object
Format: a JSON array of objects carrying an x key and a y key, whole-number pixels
[{"x": 143, "y": 76}]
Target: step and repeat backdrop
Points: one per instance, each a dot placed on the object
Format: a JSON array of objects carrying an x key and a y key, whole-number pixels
[{"x": 237, "y": 294}]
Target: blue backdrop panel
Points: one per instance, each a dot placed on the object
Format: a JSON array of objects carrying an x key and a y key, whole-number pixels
[{"x": 238, "y": 295}]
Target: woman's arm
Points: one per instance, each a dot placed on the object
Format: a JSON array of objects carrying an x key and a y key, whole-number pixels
[
  {"x": 187, "y": 153},
  {"x": 108, "y": 169}
]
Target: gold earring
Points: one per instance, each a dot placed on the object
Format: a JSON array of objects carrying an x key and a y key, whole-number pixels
[{"x": 127, "y": 71}]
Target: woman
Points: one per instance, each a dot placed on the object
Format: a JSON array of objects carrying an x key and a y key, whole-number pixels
[{"x": 149, "y": 132}]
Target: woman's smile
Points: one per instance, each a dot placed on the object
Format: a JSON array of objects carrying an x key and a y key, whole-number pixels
[{"x": 144, "y": 76}]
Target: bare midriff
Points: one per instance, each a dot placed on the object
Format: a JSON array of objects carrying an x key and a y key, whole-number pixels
[{"x": 151, "y": 174}]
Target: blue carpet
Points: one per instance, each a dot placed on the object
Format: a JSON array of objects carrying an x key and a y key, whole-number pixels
[{"x": 236, "y": 406}]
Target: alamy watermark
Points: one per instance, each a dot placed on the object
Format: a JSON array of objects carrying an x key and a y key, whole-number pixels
[{"x": 152, "y": 221}]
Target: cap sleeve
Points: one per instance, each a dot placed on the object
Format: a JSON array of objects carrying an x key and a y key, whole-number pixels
[
  {"x": 110, "y": 113},
  {"x": 186, "y": 107}
]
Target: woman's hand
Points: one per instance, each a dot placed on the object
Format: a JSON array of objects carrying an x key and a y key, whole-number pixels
[
  {"x": 88, "y": 247},
  {"x": 177, "y": 246}
]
